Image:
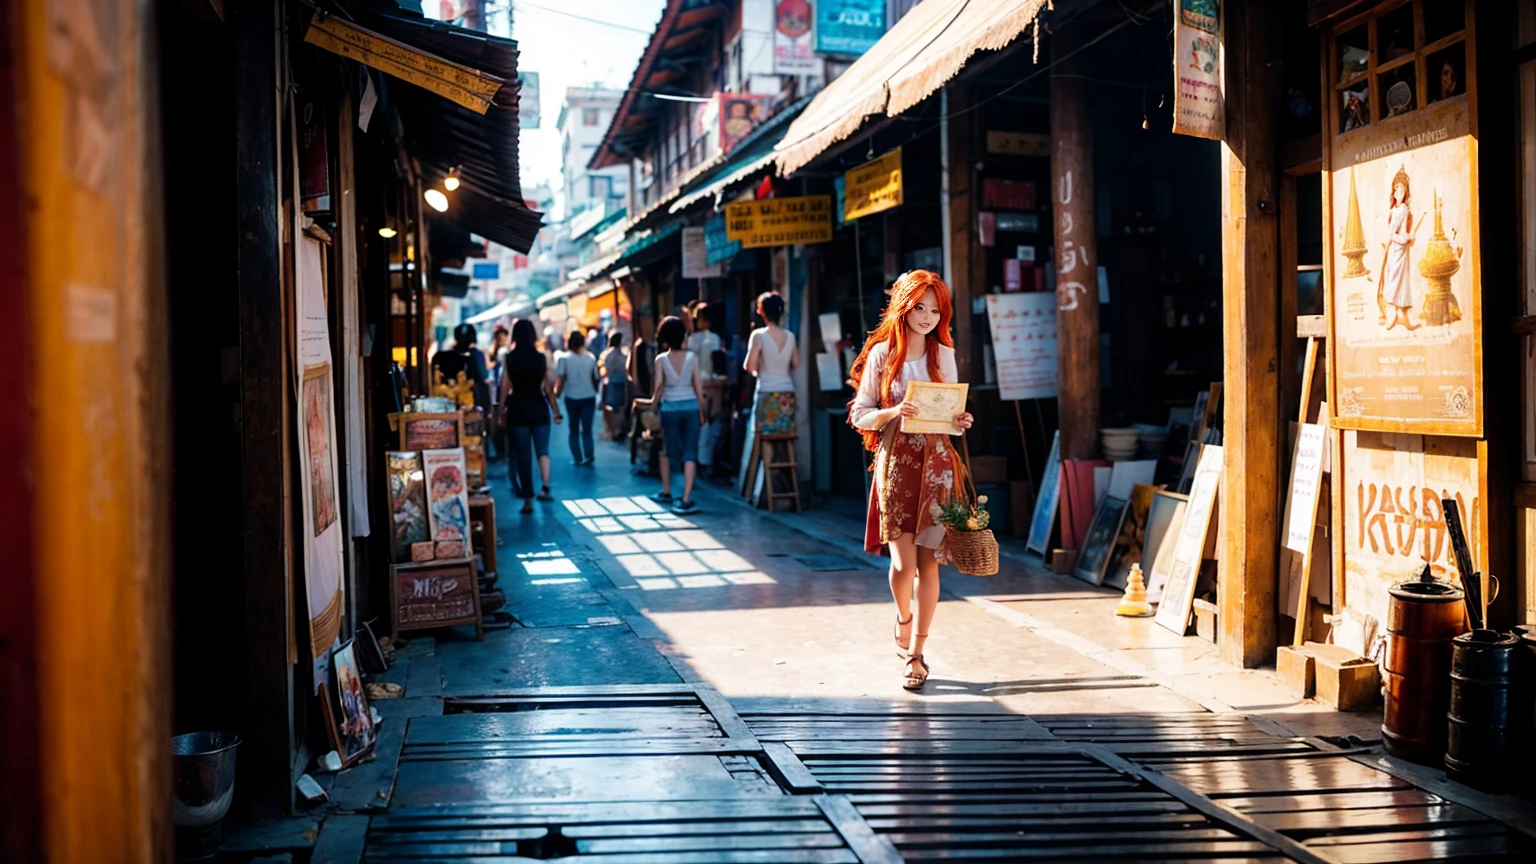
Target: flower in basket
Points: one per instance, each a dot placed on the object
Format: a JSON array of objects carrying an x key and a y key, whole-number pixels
[{"x": 963, "y": 515}]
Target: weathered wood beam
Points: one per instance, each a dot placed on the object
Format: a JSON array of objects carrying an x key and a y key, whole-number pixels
[
  {"x": 1077, "y": 254},
  {"x": 1250, "y": 233}
]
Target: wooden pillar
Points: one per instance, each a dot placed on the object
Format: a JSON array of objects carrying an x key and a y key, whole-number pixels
[
  {"x": 267, "y": 756},
  {"x": 1250, "y": 235},
  {"x": 962, "y": 280},
  {"x": 1076, "y": 259}
]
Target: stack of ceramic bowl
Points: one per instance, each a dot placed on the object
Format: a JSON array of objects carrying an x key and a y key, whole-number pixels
[
  {"x": 1120, "y": 443},
  {"x": 1153, "y": 440}
]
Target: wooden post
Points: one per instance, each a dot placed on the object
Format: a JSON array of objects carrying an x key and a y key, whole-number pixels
[
  {"x": 268, "y": 752},
  {"x": 1077, "y": 258},
  {"x": 961, "y": 235},
  {"x": 1250, "y": 234}
]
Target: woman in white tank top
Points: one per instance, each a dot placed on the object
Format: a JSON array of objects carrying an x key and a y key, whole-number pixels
[
  {"x": 771, "y": 354},
  {"x": 679, "y": 396}
]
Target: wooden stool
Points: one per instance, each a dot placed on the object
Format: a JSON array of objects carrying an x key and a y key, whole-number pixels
[{"x": 776, "y": 454}]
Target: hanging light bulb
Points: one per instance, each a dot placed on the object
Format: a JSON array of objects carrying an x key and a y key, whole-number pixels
[
  {"x": 437, "y": 200},
  {"x": 387, "y": 232},
  {"x": 451, "y": 182}
]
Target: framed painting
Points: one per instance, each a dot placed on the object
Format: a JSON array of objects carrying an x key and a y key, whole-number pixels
[
  {"x": 447, "y": 486},
  {"x": 1163, "y": 521},
  {"x": 346, "y": 706},
  {"x": 1044, "y": 518},
  {"x": 407, "y": 503},
  {"x": 1178, "y": 597},
  {"x": 1132, "y": 539},
  {"x": 937, "y": 405},
  {"x": 431, "y": 431},
  {"x": 1099, "y": 545}
]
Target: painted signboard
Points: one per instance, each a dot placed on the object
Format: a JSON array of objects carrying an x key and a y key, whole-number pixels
[
  {"x": 1024, "y": 344},
  {"x": 1198, "y": 105},
  {"x": 1406, "y": 296},
  {"x": 794, "y": 45},
  {"x": 873, "y": 186},
  {"x": 780, "y": 221},
  {"x": 849, "y": 27}
]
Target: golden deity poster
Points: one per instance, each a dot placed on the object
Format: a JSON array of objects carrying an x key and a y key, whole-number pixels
[{"x": 1405, "y": 304}]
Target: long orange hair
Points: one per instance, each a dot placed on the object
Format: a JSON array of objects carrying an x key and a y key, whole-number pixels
[{"x": 893, "y": 333}]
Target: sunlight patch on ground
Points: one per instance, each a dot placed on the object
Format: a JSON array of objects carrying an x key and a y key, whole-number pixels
[
  {"x": 659, "y": 550},
  {"x": 552, "y": 563}
]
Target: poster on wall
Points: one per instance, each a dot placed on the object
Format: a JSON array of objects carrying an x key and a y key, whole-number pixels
[
  {"x": 1198, "y": 105},
  {"x": 1405, "y": 305},
  {"x": 1024, "y": 344},
  {"x": 794, "y": 45},
  {"x": 849, "y": 27},
  {"x": 1394, "y": 522},
  {"x": 696, "y": 256},
  {"x": 447, "y": 501},
  {"x": 317, "y": 453}
]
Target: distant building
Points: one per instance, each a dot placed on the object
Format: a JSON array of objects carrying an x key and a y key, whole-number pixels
[{"x": 583, "y": 121}]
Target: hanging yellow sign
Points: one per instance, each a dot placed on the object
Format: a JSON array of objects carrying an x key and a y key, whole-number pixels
[
  {"x": 468, "y": 87},
  {"x": 873, "y": 186},
  {"x": 780, "y": 221}
]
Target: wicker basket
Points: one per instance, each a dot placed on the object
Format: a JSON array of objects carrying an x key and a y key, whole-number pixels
[{"x": 973, "y": 553}]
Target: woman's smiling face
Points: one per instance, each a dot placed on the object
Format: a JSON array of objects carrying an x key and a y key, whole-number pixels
[{"x": 925, "y": 315}]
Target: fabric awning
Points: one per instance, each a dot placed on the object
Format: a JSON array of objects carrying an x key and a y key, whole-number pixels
[
  {"x": 926, "y": 48},
  {"x": 596, "y": 268},
  {"x": 569, "y": 289},
  {"x": 509, "y": 308},
  {"x": 444, "y": 135}
]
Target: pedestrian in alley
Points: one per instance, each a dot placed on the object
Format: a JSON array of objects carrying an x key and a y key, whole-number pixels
[
  {"x": 914, "y": 473},
  {"x": 613, "y": 369},
  {"x": 703, "y": 342},
  {"x": 680, "y": 395},
  {"x": 467, "y": 357},
  {"x": 576, "y": 380},
  {"x": 527, "y": 400},
  {"x": 771, "y": 354}
]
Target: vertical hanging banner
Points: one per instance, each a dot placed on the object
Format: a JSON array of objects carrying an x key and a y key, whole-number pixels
[
  {"x": 696, "y": 264},
  {"x": 849, "y": 27},
  {"x": 873, "y": 186},
  {"x": 794, "y": 45},
  {"x": 317, "y": 454},
  {"x": 1198, "y": 107}
]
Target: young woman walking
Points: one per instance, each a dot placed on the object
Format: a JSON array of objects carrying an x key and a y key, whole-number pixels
[
  {"x": 913, "y": 473},
  {"x": 771, "y": 354},
  {"x": 611, "y": 366},
  {"x": 576, "y": 380},
  {"x": 527, "y": 398},
  {"x": 681, "y": 398}
]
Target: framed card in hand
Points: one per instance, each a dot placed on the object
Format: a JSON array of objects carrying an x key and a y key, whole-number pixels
[{"x": 937, "y": 405}]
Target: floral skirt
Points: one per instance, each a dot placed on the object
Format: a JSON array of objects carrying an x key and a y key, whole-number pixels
[
  {"x": 774, "y": 414},
  {"x": 913, "y": 475}
]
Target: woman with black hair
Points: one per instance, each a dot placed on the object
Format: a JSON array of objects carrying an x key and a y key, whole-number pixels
[
  {"x": 611, "y": 366},
  {"x": 680, "y": 396},
  {"x": 527, "y": 399},
  {"x": 771, "y": 354}
]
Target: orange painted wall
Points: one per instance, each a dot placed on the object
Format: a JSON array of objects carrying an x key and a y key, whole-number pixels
[{"x": 97, "y": 334}]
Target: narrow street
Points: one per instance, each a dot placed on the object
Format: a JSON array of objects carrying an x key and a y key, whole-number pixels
[{"x": 723, "y": 688}]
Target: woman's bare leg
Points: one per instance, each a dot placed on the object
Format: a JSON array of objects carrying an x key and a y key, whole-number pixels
[
  {"x": 690, "y": 471},
  {"x": 927, "y": 596},
  {"x": 904, "y": 561},
  {"x": 666, "y": 474},
  {"x": 544, "y": 470}
]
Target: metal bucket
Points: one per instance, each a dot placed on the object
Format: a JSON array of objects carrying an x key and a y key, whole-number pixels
[
  {"x": 203, "y": 767},
  {"x": 1422, "y": 620},
  {"x": 1479, "y": 742}
]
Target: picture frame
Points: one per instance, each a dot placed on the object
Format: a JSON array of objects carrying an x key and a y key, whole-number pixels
[
  {"x": 1099, "y": 545},
  {"x": 1131, "y": 541},
  {"x": 447, "y": 488},
  {"x": 407, "y": 503},
  {"x": 348, "y": 720},
  {"x": 937, "y": 405},
  {"x": 1163, "y": 522},
  {"x": 430, "y": 431},
  {"x": 1043, "y": 520},
  {"x": 1189, "y": 544}
]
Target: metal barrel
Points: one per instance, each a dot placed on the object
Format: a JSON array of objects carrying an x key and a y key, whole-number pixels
[
  {"x": 1479, "y": 743},
  {"x": 1422, "y": 619}
]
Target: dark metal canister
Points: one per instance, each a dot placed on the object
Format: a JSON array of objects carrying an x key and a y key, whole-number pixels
[
  {"x": 1479, "y": 742},
  {"x": 1422, "y": 619}
]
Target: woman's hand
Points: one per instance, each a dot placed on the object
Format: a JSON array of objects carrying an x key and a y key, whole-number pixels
[
  {"x": 558, "y": 418},
  {"x": 703, "y": 418},
  {"x": 907, "y": 408},
  {"x": 963, "y": 420}
]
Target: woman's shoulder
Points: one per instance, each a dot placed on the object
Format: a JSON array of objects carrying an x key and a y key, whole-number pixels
[{"x": 946, "y": 352}]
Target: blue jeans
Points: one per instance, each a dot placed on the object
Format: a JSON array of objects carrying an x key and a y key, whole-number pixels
[
  {"x": 581, "y": 411},
  {"x": 527, "y": 444},
  {"x": 680, "y": 429}
]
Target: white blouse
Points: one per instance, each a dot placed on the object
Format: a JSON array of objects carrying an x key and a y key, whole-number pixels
[{"x": 867, "y": 402}]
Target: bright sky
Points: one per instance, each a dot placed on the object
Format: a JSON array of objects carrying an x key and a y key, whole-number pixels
[{"x": 554, "y": 40}]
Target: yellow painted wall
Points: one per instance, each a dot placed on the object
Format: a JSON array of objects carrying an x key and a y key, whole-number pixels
[{"x": 102, "y": 601}]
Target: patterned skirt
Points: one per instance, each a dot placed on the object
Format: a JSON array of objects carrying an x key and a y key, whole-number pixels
[
  {"x": 913, "y": 474},
  {"x": 774, "y": 414}
]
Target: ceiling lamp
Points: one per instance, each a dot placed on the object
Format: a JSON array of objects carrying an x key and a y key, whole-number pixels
[
  {"x": 387, "y": 232},
  {"x": 437, "y": 200},
  {"x": 451, "y": 182}
]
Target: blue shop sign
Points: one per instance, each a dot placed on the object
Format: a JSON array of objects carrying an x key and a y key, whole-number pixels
[
  {"x": 485, "y": 270},
  {"x": 716, "y": 247},
  {"x": 849, "y": 27}
]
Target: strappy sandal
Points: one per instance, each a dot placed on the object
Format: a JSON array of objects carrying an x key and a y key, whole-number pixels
[
  {"x": 545, "y": 496},
  {"x": 917, "y": 673},
  {"x": 903, "y": 648}
]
